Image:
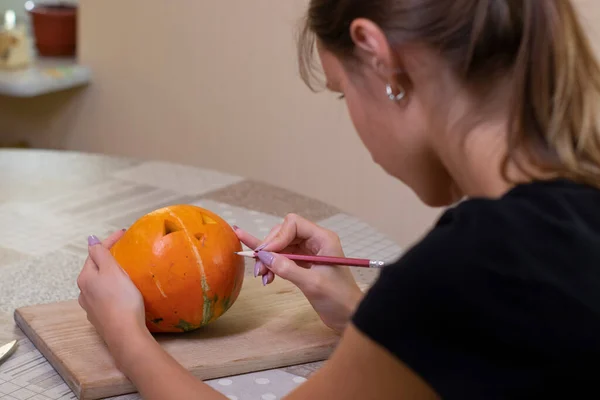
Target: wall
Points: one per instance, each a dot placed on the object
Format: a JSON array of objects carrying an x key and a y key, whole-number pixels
[
  {"x": 16, "y": 5},
  {"x": 589, "y": 13},
  {"x": 19, "y": 5},
  {"x": 215, "y": 84}
]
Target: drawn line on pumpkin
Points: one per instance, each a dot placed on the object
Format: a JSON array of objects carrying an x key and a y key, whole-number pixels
[
  {"x": 157, "y": 283},
  {"x": 201, "y": 238},
  {"x": 206, "y": 309}
]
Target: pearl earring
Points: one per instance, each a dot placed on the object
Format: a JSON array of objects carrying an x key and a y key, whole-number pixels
[{"x": 392, "y": 96}]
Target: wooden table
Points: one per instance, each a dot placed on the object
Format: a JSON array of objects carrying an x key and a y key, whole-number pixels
[{"x": 51, "y": 201}]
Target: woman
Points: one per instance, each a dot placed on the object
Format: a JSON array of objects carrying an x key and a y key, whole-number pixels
[{"x": 492, "y": 102}]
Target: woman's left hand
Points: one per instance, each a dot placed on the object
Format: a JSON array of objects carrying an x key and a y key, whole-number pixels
[
  {"x": 112, "y": 302},
  {"x": 115, "y": 307}
]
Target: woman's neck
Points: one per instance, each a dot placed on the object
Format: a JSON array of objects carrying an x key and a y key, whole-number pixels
[{"x": 477, "y": 163}]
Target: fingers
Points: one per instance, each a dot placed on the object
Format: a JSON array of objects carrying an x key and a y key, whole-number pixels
[
  {"x": 268, "y": 278},
  {"x": 246, "y": 238},
  {"x": 260, "y": 269},
  {"x": 285, "y": 268},
  {"x": 100, "y": 255},
  {"x": 251, "y": 241},
  {"x": 113, "y": 238},
  {"x": 82, "y": 302},
  {"x": 90, "y": 266},
  {"x": 293, "y": 229},
  {"x": 87, "y": 275},
  {"x": 272, "y": 233}
]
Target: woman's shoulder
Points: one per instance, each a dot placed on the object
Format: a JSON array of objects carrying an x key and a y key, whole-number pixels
[
  {"x": 536, "y": 223},
  {"x": 514, "y": 278},
  {"x": 547, "y": 233},
  {"x": 560, "y": 203}
]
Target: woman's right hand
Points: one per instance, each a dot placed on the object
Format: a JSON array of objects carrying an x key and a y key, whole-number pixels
[{"x": 331, "y": 290}]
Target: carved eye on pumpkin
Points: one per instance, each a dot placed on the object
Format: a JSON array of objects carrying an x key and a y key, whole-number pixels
[
  {"x": 171, "y": 227},
  {"x": 208, "y": 220}
]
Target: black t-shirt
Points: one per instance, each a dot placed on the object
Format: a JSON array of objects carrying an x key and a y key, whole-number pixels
[{"x": 501, "y": 299}]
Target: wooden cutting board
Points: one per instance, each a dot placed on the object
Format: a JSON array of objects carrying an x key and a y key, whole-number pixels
[{"x": 267, "y": 327}]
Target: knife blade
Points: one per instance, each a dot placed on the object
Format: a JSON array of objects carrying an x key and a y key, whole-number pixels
[{"x": 7, "y": 350}]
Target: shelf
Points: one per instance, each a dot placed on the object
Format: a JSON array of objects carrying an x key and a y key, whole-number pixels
[{"x": 46, "y": 75}]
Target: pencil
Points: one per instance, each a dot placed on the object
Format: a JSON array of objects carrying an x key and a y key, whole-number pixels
[{"x": 324, "y": 260}]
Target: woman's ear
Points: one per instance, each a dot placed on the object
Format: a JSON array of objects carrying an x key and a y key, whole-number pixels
[{"x": 373, "y": 48}]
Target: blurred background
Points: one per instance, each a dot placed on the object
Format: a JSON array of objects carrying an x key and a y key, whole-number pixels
[{"x": 205, "y": 83}]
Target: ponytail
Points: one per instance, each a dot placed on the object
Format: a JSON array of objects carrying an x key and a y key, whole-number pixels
[{"x": 554, "y": 114}]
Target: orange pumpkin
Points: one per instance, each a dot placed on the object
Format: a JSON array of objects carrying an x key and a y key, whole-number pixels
[{"x": 182, "y": 259}]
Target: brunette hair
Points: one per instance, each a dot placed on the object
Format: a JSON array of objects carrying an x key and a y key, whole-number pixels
[{"x": 540, "y": 44}]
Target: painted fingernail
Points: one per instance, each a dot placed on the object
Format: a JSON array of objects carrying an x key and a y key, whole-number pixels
[
  {"x": 265, "y": 277},
  {"x": 256, "y": 269},
  {"x": 266, "y": 257},
  {"x": 235, "y": 227},
  {"x": 124, "y": 229},
  {"x": 261, "y": 247},
  {"x": 93, "y": 240}
]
